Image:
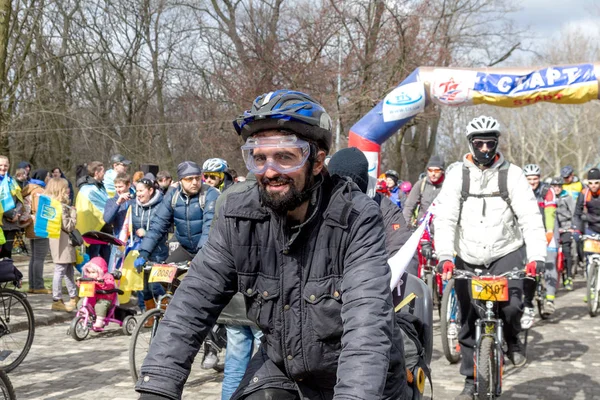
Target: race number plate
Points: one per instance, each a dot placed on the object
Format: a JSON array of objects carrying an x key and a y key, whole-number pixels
[
  {"x": 162, "y": 273},
  {"x": 87, "y": 289},
  {"x": 591, "y": 246},
  {"x": 492, "y": 289}
]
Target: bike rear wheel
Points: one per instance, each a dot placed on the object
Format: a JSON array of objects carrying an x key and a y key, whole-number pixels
[
  {"x": 7, "y": 392},
  {"x": 16, "y": 328},
  {"x": 485, "y": 362},
  {"x": 450, "y": 324},
  {"x": 141, "y": 339},
  {"x": 593, "y": 285}
]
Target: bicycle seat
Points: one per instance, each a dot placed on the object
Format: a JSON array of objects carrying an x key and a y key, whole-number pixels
[{"x": 109, "y": 291}]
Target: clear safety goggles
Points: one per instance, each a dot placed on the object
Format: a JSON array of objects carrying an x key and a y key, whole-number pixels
[{"x": 284, "y": 154}]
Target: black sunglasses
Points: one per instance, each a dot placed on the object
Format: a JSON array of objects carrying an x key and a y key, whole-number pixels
[{"x": 490, "y": 144}]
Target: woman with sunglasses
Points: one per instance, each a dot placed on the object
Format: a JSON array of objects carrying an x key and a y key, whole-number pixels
[{"x": 215, "y": 173}]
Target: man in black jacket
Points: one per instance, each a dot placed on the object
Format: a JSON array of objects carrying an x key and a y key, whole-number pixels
[{"x": 307, "y": 251}]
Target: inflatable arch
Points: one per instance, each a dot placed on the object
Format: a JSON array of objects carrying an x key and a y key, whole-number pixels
[{"x": 504, "y": 87}]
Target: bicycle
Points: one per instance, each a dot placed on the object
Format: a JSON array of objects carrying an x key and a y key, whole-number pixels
[
  {"x": 540, "y": 295},
  {"x": 591, "y": 244},
  {"x": 7, "y": 392},
  {"x": 17, "y": 327},
  {"x": 168, "y": 275},
  {"x": 489, "y": 353},
  {"x": 450, "y": 323},
  {"x": 427, "y": 272}
]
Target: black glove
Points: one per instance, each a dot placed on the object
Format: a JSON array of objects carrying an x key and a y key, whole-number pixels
[{"x": 427, "y": 250}]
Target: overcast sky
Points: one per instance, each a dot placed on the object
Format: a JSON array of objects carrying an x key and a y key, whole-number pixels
[{"x": 547, "y": 17}]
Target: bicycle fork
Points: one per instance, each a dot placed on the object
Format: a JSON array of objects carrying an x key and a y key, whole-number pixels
[{"x": 490, "y": 326}]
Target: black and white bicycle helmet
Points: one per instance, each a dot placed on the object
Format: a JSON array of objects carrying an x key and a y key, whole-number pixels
[
  {"x": 483, "y": 125},
  {"x": 532, "y": 169}
]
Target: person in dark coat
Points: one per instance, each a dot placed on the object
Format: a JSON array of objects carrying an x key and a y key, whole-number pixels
[
  {"x": 353, "y": 164},
  {"x": 307, "y": 251},
  {"x": 425, "y": 190},
  {"x": 190, "y": 208}
]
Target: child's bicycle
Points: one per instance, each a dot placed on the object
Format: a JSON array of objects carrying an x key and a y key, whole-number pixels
[
  {"x": 591, "y": 246},
  {"x": 487, "y": 291},
  {"x": 86, "y": 315}
]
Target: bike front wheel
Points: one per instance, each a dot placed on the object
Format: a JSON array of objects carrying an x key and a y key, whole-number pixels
[
  {"x": 485, "y": 380},
  {"x": 141, "y": 339},
  {"x": 593, "y": 286},
  {"x": 450, "y": 323},
  {"x": 17, "y": 329}
]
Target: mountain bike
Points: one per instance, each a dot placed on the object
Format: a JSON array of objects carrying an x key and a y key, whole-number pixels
[
  {"x": 17, "y": 328},
  {"x": 428, "y": 273},
  {"x": 450, "y": 323},
  {"x": 591, "y": 246},
  {"x": 487, "y": 291},
  {"x": 169, "y": 275}
]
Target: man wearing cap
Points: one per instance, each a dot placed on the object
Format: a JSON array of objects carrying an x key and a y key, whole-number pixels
[
  {"x": 307, "y": 251},
  {"x": 425, "y": 190},
  {"x": 119, "y": 166}
]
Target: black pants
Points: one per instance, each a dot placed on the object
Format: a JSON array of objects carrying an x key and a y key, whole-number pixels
[
  {"x": 6, "y": 251},
  {"x": 565, "y": 242},
  {"x": 510, "y": 311}
]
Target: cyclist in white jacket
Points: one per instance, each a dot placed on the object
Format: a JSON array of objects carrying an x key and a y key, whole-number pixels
[{"x": 487, "y": 214}]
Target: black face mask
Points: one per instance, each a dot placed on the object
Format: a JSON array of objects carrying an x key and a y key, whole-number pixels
[{"x": 481, "y": 158}]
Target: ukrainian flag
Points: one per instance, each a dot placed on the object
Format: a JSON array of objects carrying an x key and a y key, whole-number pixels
[
  {"x": 48, "y": 218},
  {"x": 8, "y": 190}
]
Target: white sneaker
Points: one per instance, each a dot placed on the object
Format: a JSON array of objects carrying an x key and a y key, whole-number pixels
[{"x": 527, "y": 318}]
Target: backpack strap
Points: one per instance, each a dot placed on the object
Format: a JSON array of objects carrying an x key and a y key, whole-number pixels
[
  {"x": 503, "y": 185},
  {"x": 587, "y": 196},
  {"x": 201, "y": 197},
  {"x": 464, "y": 192}
]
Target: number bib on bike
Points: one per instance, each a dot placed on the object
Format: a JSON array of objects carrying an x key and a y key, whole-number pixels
[
  {"x": 492, "y": 289},
  {"x": 162, "y": 273},
  {"x": 87, "y": 289},
  {"x": 591, "y": 246}
]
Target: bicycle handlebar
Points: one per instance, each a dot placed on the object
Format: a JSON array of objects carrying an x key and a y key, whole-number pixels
[
  {"x": 514, "y": 274},
  {"x": 591, "y": 237}
]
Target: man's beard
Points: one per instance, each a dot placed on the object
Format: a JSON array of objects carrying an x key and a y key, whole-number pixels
[{"x": 292, "y": 199}]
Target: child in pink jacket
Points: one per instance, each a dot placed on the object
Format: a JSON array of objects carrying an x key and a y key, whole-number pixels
[{"x": 96, "y": 268}]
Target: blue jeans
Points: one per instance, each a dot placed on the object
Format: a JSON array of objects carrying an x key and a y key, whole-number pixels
[{"x": 240, "y": 340}]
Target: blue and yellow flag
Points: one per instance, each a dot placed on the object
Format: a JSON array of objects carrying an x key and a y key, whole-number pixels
[{"x": 48, "y": 218}]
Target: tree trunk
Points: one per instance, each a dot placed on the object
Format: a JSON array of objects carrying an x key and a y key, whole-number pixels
[{"x": 5, "y": 14}]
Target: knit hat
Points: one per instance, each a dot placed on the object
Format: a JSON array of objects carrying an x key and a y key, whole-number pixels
[
  {"x": 351, "y": 162},
  {"x": 593, "y": 174},
  {"x": 436, "y": 162},
  {"x": 188, "y": 168}
]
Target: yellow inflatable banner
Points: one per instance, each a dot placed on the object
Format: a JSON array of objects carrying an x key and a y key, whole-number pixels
[{"x": 130, "y": 279}]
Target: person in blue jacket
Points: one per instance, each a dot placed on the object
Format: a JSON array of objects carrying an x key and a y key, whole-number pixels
[{"x": 190, "y": 208}]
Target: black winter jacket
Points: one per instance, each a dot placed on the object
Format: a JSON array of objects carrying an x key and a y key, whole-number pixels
[
  {"x": 192, "y": 223},
  {"x": 591, "y": 218},
  {"x": 319, "y": 292}
]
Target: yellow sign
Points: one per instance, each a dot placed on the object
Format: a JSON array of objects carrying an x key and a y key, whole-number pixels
[
  {"x": 87, "y": 289},
  {"x": 493, "y": 289},
  {"x": 591, "y": 246},
  {"x": 162, "y": 273}
]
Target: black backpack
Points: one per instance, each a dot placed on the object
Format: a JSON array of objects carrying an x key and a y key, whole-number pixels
[
  {"x": 502, "y": 188},
  {"x": 417, "y": 370}
]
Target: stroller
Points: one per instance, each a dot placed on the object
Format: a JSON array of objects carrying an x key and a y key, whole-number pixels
[{"x": 86, "y": 315}]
